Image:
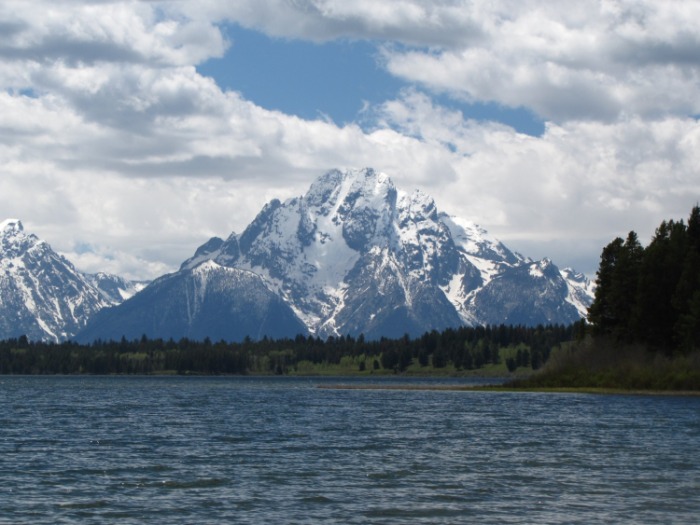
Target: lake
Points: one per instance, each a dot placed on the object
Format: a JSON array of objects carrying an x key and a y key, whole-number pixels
[{"x": 201, "y": 450}]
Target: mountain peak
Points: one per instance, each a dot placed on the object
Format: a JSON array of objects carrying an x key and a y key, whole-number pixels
[
  {"x": 357, "y": 255},
  {"x": 11, "y": 225},
  {"x": 15, "y": 241},
  {"x": 352, "y": 183},
  {"x": 370, "y": 182}
]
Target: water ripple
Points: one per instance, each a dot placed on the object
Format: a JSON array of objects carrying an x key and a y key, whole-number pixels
[{"x": 249, "y": 450}]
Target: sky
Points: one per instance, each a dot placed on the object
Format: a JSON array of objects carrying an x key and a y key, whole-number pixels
[{"x": 133, "y": 131}]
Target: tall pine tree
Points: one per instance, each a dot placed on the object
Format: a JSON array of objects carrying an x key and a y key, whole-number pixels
[
  {"x": 602, "y": 314},
  {"x": 617, "y": 286},
  {"x": 686, "y": 299},
  {"x": 660, "y": 272}
]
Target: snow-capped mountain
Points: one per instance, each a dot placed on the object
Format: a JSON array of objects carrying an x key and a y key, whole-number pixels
[
  {"x": 356, "y": 255},
  {"x": 42, "y": 295}
]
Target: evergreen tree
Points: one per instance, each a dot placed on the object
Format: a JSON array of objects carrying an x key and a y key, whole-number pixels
[
  {"x": 660, "y": 272},
  {"x": 602, "y": 313},
  {"x": 617, "y": 287},
  {"x": 686, "y": 299},
  {"x": 626, "y": 286},
  {"x": 694, "y": 229}
]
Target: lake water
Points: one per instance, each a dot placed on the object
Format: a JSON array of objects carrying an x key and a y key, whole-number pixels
[{"x": 177, "y": 450}]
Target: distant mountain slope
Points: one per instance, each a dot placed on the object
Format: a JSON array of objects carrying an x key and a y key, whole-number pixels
[
  {"x": 354, "y": 255},
  {"x": 205, "y": 301}
]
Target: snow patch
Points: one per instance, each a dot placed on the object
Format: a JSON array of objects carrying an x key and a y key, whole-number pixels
[
  {"x": 535, "y": 271},
  {"x": 580, "y": 290},
  {"x": 11, "y": 225}
]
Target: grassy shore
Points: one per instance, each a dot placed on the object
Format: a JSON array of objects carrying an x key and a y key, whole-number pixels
[
  {"x": 601, "y": 366},
  {"x": 593, "y": 366},
  {"x": 349, "y": 366},
  {"x": 506, "y": 389}
]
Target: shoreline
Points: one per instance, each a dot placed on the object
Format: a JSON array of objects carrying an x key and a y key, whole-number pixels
[
  {"x": 407, "y": 386},
  {"x": 507, "y": 389}
]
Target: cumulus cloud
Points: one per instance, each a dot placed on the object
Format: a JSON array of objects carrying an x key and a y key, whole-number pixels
[
  {"x": 592, "y": 60},
  {"x": 88, "y": 32},
  {"x": 414, "y": 22},
  {"x": 119, "y": 153}
]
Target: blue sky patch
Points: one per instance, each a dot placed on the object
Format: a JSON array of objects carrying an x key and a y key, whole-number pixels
[{"x": 335, "y": 79}]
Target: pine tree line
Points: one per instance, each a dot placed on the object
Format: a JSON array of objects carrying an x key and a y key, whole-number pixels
[
  {"x": 465, "y": 348},
  {"x": 651, "y": 295}
]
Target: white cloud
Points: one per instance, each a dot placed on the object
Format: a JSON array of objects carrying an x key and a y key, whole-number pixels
[
  {"x": 93, "y": 32},
  {"x": 416, "y": 22},
  {"x": 593, "y": 60},
  {"x": 116, "y": 151}
]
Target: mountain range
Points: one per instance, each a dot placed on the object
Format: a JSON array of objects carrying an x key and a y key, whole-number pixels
[{"x": 354, "y": 255}]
